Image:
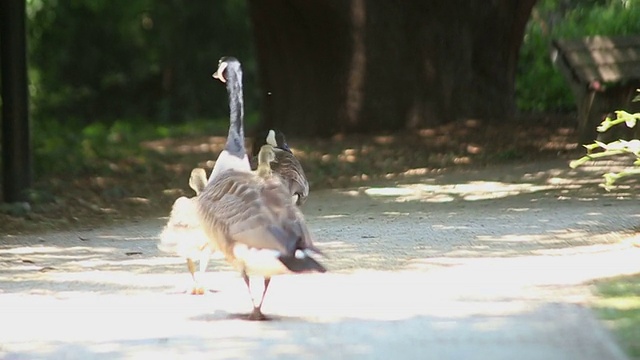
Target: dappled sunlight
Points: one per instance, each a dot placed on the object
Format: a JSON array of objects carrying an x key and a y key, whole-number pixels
[
  {"x": 29, "y": 250},
  {"x": 384, "y": 139},
  {"x": 211, "y": 145},
  {"x": 41, "y": 259},
  {"x": 389, "y": 191},
  {"x": 472, "y": 191},
  {"x": 557, "y": 267},
  {"x": 567, "y": 183},
  {"x": 622, "y": 303},
  {"x": 145, "y": 177},
  {"x": 336, "y": 216},
  {"x": 104, "y": 280},
  {"x": 515, "y": 238}
]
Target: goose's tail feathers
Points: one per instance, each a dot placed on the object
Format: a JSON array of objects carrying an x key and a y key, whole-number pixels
[{"x": 302, "y": 264}]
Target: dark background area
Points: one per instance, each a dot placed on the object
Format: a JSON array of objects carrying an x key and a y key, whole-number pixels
[
  {"x": 122, "y": 104},
  {"x": 151, "y": 61}
]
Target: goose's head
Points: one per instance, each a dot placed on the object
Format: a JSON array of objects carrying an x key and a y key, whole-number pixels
[
  {"x": 226, "y": 65},
  {"x": 276, "y": 139},
  {"x": 198, "y": 180}
]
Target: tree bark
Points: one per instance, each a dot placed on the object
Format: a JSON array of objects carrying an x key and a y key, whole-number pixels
[
  {"x": 16, "y": 133},
  {"x": 338, "y": 66}
]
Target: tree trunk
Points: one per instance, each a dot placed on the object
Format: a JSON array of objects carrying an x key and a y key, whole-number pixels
[
  {"x": 16, "y": 134},
  {"x": 334, "y": 66}
]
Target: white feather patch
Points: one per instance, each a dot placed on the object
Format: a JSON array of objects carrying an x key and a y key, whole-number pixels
[
  {"x": 263, "y": 262},
  {"x": 271, "y": 138},
  {"x": 183, "y": 235},
  {"x": 227, "y": 161}
]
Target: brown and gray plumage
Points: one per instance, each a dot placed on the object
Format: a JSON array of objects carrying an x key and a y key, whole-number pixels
[
  {"x": 250, "y": 218},
  {"x": 288, "y": 167},
  {"x": 183, "y": 234}
]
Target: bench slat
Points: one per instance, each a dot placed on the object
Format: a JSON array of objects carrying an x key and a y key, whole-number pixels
[
  {"x": 599, "y": 42},
  {"x": 608, "y": 73},
  {"x": 601, "y": 58},
  {"x": 604, "y": 57}
]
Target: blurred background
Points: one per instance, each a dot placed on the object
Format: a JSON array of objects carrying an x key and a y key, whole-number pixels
[
  {"x": 123, "y": 106},
  {"x": 150, "y": 61}
]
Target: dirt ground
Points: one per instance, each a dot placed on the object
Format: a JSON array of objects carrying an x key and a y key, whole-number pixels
[
  {"x": 481, "y": 262},
  {"x": 145, "y": 184}
]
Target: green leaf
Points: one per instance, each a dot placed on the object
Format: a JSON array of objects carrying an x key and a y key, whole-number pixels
[{"x": 591, "y": 147}]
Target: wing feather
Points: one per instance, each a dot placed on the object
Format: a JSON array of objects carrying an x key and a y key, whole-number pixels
[
  {"x": 244, "y": 208},
  {"x": 290, "y": 169}
]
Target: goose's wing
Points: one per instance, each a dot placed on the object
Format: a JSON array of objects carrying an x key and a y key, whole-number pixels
[
  {"x": 243, "y": 208},
  {"x": 290, "y": 169}
]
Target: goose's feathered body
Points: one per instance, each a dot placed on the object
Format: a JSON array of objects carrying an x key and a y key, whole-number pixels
[
  {"x": 255, "y": 224},
  {"x": 288, "y": 167},
  {"x": 183, "y": 234},
  {"x": 248, "y": 217}
]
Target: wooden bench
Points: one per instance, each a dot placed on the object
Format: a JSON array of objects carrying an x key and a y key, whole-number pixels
[{"x": 603, "y": 73}]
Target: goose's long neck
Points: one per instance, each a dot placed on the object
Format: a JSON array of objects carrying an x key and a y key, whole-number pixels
[
  {"x": 235, "y": 140},
  {"x": 265, "y": 156},
  {"x": 234, "y": 156}
]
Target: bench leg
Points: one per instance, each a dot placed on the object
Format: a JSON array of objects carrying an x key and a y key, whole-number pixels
[{"x": 586, "y": 128}]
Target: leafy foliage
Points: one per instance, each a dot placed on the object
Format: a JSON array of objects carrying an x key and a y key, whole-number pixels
[
  {"x": 63, "y": 149},
  {"x": 540, "y": 87},
  {"x": 598, "y": 150},
  {"x": 101, "y": 61},
  {"x": 98, "y": 60}
]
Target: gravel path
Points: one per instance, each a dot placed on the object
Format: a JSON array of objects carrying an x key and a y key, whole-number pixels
[{"x": 483, "y": 264}]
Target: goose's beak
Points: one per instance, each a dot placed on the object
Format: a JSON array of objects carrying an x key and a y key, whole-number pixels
[{"x": 219, "y": 74}]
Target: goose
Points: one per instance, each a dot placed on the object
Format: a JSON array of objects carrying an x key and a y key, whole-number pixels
[
  {"x": 287, "y": 166},
  {"x": 265, "y": 157},
  {"x": 198, "y": 180},
  {"x": 251, "y": 218},
  {"x": 183, "y": 234}
]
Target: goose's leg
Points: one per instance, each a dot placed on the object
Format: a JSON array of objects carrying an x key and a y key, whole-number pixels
[
  {"x": 196, "y": 289},
  {"x": 192, "y": 270},
  {"x": 257, "y": 312},
  {"x": 205, "y": 255}
]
